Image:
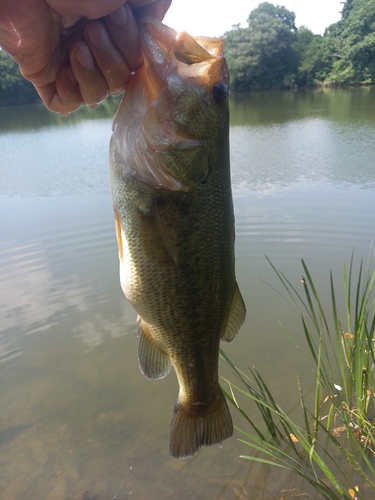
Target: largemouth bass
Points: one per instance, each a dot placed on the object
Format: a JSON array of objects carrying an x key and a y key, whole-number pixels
[{"x": 170, "y": 182}]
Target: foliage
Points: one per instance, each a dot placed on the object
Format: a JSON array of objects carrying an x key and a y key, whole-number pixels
[
  {"x": 14, "y": 89},
  {"x": 261, "y": 56},
  {"x": 355, "y": 44},
  {"x": 312, "y": 63},
  {"x": 267, "y": 10},
  {"x": 272, "y": 53},
  {"x": 339, "y": 427}
]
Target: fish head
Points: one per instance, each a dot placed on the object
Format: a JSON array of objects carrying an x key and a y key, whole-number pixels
[{"x": 182, "y": 90}]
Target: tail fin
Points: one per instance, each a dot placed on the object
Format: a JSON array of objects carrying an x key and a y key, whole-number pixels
[{"x": 194, "y": 426}]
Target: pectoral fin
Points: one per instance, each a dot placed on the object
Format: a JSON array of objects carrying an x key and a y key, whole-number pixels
[
  {"x": 163, "y": 234},
  {"x": 236, "y": 316},
  {"x": 153, "y": 362}
]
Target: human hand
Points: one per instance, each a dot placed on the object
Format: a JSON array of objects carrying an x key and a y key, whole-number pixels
[{"x": 75, "y": 52}]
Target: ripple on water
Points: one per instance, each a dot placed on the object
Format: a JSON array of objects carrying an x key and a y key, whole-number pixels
[{"x": 75, "y": 410}]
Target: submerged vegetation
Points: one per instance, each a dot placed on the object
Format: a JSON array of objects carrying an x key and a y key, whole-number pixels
[
  {"x": 272, "y": 53},
  {"x": 340, "y": 427}
]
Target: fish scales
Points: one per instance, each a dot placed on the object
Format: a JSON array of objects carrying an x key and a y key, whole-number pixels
[{"x": 170, "y": 181}]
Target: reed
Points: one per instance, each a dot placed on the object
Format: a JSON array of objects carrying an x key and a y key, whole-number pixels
[{"x": 339, "y": 427}]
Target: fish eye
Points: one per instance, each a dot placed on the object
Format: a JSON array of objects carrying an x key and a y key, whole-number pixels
[{"x": 220, "y": 91}]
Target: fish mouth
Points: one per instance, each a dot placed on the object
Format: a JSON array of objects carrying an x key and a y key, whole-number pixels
[{"x": 166, "y": 50}]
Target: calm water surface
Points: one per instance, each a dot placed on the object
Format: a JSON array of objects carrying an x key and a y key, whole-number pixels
[{"x": 75, "y": 411}]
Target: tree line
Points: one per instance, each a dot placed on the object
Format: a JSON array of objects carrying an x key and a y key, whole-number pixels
[
  {"x": 270, "y": 53},
  {"x": 14, "y": 89}
]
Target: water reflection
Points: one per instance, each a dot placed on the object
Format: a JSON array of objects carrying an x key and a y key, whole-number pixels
[
  {"x": 280, "y": 139},
  {"x": 277, "y": 107},
  {"x": 51, "y": 271},
  {"x": 37, "y": 116}
]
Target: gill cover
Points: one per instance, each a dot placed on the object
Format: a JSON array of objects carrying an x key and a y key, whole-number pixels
[{"x": 175, "y": 106}]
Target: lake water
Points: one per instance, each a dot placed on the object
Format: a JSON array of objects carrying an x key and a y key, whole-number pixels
[{"x": 75, "y": 411}]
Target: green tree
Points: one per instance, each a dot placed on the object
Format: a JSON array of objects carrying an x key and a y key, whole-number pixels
[
  {"x": 271, "y": 52},
  {"x": 359, "y": 37},
  {"x": 347, "y": 7},
  {"x": 306, "y": 46},
  {"x": 14, "y": 89},
  {"x": 315, "y": 57},
  {"x": 350, "y": 44},
  {"x": 261, "y": 56},
  {"x": 267, "y": 9}
]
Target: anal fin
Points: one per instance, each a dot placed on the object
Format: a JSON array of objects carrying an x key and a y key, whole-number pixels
[
  {"x": 153, "y": 362},
  {"x": 237, "y": 315}
]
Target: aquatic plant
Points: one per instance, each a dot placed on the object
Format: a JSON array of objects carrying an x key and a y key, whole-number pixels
[{"x": 340, "y": 425}]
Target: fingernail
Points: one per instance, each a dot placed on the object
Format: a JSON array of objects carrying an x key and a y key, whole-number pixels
[
  {"x": 98, "y": 36},
  {"x": 120, "y": 16},
  {"x": 84, "y": 57},
  {"x": 56, "y": 103}
]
